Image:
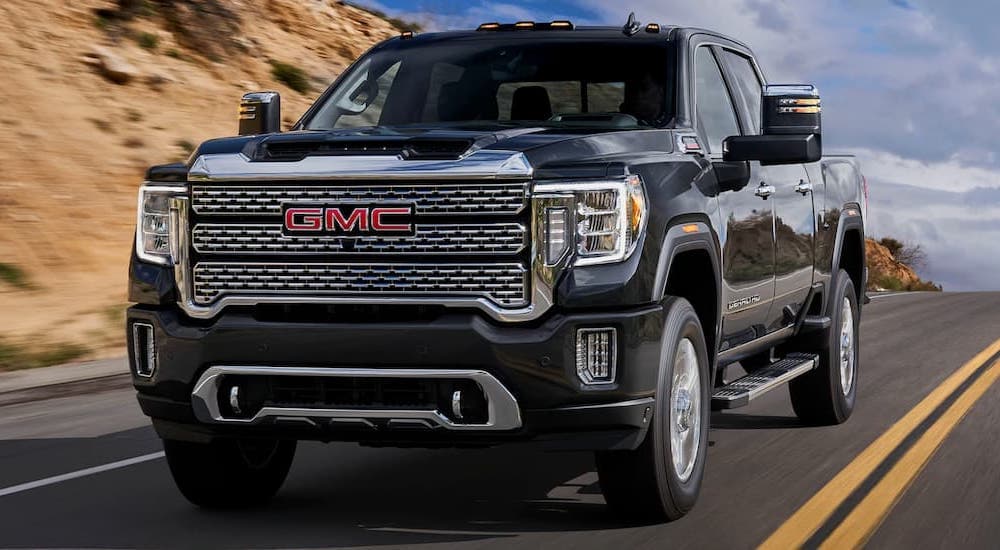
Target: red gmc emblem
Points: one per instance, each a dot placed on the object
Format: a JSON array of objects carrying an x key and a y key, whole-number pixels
[{"x": 347, "y": 220}]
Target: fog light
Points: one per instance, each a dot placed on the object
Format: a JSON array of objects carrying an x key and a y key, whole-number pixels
[
  {"x": 596, "y": 353},
  {"x": 144, "y": 349}
]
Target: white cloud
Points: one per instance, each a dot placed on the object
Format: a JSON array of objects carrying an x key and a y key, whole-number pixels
[{"x": 953, "y": 175}]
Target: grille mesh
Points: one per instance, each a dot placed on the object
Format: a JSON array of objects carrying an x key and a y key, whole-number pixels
[
  {"x": 436, "y": 198},
  {"x": 500, "y": 238},
  {"x": 504, "y": 284}
]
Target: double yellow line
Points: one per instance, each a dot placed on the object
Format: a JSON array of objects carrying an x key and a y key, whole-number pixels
[{"x": 815, "y": 523}]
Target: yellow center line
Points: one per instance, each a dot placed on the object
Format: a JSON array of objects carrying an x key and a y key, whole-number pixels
[
  {"x": 806, "y": 520},
  {"x": 867, "y": 516}
]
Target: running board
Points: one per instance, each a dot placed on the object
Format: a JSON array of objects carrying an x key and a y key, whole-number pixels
[{"x": 740, "y": 392}]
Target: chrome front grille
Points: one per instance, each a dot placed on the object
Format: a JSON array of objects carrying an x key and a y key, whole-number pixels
[
  {"x": 470, "y": 199},
  {"x": 237, "y": 238},
  {"x": 504, "y": 284}
]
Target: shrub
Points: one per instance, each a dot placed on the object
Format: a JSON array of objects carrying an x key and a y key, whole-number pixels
[
  {"x": 14, "y": 276},
  {"x": 147, "y": 40},
  {"x": 15, "y": 357},
  {"x": 292, "y": 76},
  {"x": 186, "y": 145}
]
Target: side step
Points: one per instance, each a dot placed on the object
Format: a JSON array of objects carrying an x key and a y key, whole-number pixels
[{"x": 740, "y": 392}]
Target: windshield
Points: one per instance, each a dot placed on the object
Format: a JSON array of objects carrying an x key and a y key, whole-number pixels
[{"x": 517, "y": 82}]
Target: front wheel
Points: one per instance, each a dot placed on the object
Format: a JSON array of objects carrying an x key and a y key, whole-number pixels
[
  {"x": 661, "y": 479},
  {"x": 229, "y": 473}
]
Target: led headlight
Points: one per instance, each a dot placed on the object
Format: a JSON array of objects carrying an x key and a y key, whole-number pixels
[
  {"x": 152, "y": 235},
  {"x": 609, "y": 220}
]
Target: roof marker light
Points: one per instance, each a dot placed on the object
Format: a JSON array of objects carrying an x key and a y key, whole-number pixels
[
  {"x": 489, "y": 26},
  {"x": 524, "y": 25},
  {"x": 561, "y": 25},
  {"x": 653, "y": 28}
]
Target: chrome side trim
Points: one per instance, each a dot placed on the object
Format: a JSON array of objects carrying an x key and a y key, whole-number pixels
[
  {"x": 481, "y": 164},
  {"x": 617, "y": 404},
  {"x": 502, "y": 407}
]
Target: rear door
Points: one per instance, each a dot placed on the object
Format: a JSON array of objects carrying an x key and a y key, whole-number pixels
[
  {"x": 747, "y": 233},
  {"x": 791, "y": 203}
]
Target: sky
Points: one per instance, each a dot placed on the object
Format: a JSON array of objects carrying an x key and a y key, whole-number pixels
[{"x": 912, "y": 87}]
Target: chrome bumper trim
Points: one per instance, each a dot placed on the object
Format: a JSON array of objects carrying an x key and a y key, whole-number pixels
[{"x": 503, "y": 410}]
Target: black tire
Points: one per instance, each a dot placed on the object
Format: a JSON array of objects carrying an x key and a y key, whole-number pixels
[
  {"x": 818, "y": 398},
  {"x": 643, "y": 484},
  {"x": 229, "y": 473}
]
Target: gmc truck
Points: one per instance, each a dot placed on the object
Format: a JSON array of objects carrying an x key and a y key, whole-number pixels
[{"x": 531, "y": 231}]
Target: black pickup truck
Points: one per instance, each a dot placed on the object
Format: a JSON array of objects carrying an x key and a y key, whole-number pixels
[{"x": 530, "y": 231}]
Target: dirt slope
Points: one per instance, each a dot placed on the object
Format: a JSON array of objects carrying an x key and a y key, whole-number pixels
[
  {"x": 75, "y": 145},
  {"x": 885, "y": 272}
]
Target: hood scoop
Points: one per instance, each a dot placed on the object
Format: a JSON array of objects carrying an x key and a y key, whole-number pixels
[{"x": 294, "y": 150}]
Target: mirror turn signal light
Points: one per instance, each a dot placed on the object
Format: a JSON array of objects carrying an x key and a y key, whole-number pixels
[{"x": 800, "y": 110}]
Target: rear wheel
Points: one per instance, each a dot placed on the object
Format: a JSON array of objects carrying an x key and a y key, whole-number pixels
[
  {"x": 661, "y": 479},
  {"x": 827, "y": 394},
  {"x": 229, "y": 473}
]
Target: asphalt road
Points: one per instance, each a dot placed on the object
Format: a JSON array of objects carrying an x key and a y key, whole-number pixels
[{"x": 763, "y": 468}]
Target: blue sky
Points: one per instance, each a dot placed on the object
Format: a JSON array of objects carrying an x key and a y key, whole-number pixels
[{"x": 910, "y": 86}]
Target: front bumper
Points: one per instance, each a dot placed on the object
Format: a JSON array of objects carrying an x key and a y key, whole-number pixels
[{"x": 535, "y": 363}]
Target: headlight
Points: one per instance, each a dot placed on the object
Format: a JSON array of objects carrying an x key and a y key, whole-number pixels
[
  {"x": 608, "y": 218},
  {"x": 152, "y": 235}
]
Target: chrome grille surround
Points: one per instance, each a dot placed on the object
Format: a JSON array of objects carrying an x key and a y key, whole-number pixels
[
  {"x": 444, "y": 199},
  {"x": 486, "y": 167},
  {"x": 502, "y": 284},
  {"x": 244, "y": 238}
]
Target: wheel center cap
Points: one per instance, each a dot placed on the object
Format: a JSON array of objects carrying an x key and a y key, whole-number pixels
[{"x": 682, "y": 404}]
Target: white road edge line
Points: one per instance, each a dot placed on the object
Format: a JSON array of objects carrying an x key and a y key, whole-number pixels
[{"x": 79, "y": 473}]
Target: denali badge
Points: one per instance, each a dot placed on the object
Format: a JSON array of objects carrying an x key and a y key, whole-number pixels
[
  {"x": 347, "y": 220},
  {"x": 743, "y": 302}
]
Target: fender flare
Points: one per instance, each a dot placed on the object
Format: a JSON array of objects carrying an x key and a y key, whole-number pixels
[
  {"x": 850, "y": 219},
  {"x": 678, "y": 241}
]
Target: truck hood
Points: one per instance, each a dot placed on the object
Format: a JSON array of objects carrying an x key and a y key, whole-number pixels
[{"x": 486, "y": 151}]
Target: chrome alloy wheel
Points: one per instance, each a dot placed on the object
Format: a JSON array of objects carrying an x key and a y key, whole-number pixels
[
  {"x": 847, "y": 356},
  {"x": 685, "y": 410}
]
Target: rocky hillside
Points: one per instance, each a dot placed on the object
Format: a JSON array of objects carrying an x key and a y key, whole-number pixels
[
  {"x": 96, "y": 90},
  {"x": 885, "y": 272}
]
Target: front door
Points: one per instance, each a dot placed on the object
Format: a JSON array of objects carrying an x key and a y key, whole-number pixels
[{"x": 747, "y": 233}]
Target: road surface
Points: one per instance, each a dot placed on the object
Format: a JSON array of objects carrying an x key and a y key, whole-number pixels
[{"x": 934, "y": 484}]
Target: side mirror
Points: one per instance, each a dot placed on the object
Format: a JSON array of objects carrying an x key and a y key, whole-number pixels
[
  {"x": 260, "y": 113},
  {"x": 791, "y": 131}
]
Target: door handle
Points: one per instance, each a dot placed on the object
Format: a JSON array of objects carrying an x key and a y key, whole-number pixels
[
  {"x": 764, "y": 191},
  {"x": 804, "y": 187}
]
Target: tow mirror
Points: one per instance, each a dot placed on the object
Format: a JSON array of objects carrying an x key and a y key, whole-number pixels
[
  {"x": 260, "y": 113},
  {"x": 791, "y": 131}
]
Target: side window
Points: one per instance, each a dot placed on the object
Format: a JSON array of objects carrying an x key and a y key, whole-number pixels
[
  {"x": 562, "y": 97},
  {"x": 716, "y": 115},
  {"x": 747, "y": 84},
  {"x": 605, "y": 97}
]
